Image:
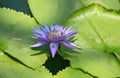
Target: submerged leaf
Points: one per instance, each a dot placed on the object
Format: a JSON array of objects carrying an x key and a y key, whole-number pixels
[{"x": 19, "y": 5}]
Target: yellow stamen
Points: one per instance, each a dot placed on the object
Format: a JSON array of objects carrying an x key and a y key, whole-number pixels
[{"x": 55, "y": 34}]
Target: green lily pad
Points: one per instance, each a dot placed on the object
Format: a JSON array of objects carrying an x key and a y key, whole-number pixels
[
  {"x": 72, "y": 73},
  {"x": 56, "y": 11},
  {"x": 110, "y": 4},
  {"x": 3, "y": 43},
  {"x": 16, "y": 30},
  {"x": 52, "y": 11},
  {"x": 97, "y": 63},
  {"x": 11, "y": 69},
  {"x": 97, "y": 26}
]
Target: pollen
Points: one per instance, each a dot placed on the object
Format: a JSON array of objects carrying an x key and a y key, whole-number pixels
[{"x": 55, "y": 33}]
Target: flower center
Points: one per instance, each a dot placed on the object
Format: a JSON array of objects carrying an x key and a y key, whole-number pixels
[{"x": 55, "y": 33}]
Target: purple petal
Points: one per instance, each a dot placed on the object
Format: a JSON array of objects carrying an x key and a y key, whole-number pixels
[
  {"x": 38, "y": 31},
  {"x": 52, "y": 27},
  {"x": 65, "y": 29},
  {"x": 71, "y": 33},
  {"x": 69, "y": 44},
  {"x": 40, "y": 37},
  {"x": 56, "y": 27},
  {"x": 54, "y": 48},
  {"x": 39, "y": 34},
  {"x": 45, "y": 28},
  {"x": 39, "y": 44}
]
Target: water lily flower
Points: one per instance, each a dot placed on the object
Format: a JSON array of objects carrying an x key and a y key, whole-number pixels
[{"x": 55, "y": 35}]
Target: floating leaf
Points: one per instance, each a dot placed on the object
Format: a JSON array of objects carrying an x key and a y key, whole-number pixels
[
  {"x": 56, "y": 11},
  {"x": 97, "y": 63},
  {"x": 110, "y": 4},
  {"x": 52, "y": 11},
  {"x": 3, "y": 43},
  {"x": 93, "y": 62},
  {"x": 16, "y": 30},
  {"x": 11, "y": 69},
  {"x": 98, "y": 27},
  {"x": 95, "y": 26},
  {"x": 72, "y": 73}
]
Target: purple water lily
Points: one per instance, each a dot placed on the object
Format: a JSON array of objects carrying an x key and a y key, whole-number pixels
[{"x": 55, "y": 35}]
